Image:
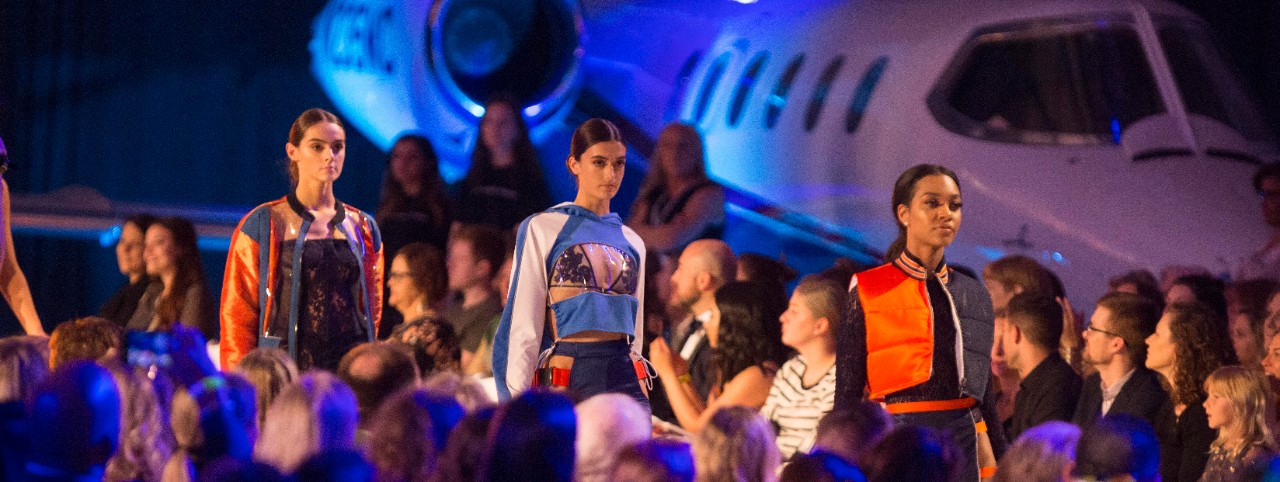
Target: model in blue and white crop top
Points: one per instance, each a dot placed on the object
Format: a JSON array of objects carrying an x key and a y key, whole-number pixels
[{"x": 584, "y": 270}]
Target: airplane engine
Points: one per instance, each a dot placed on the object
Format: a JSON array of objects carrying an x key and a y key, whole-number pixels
[{"x": 427, "y": 67}]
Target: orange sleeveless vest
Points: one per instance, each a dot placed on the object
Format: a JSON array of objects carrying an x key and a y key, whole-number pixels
[{"x": 899, "y": 326}]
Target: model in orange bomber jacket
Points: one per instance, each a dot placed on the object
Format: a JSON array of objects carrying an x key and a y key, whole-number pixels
[
  {"x": 253, "y": 277},
  {"x": 890, "y": 345}
]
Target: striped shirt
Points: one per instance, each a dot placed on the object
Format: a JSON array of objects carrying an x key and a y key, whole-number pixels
[{"x": 795, "y": 409}]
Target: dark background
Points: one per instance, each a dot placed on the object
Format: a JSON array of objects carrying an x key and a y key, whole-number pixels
[{"x": 190, "y": 102}]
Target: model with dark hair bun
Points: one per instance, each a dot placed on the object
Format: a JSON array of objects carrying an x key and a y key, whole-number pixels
[
  {"x": 304, "y": 272},
  {"x": 919, "y": 334},
  {"x": 573, "y": 316}
]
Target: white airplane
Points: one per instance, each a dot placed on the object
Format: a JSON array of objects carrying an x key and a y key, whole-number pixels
[{"x": 1096, "y": 136}]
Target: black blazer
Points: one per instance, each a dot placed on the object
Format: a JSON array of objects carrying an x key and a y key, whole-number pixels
[{"x": 1142, "y": 396}]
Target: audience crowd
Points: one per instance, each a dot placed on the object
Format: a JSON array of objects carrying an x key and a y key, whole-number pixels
[{"x": 1160, "y": 379}]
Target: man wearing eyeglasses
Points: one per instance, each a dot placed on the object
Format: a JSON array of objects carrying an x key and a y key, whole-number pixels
[
  {"x": 1265, "y": 263},
  {"x": 13, "y": 284},
  {"x": 1113, "y": 344}
]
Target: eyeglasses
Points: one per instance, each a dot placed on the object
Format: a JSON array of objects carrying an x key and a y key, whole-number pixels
[{"x": 1105, "y": 332}]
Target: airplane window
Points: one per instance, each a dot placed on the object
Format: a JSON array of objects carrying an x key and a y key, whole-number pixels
[
  {"x": 1207, "y": 82},
  {"x": 1080, "y": 83},
  {"x": 709, "y": 86},
  {"x": 862, "y": 95},
  {"x": 778, "y": 99},
  {"x": 681, "y": 86},
  {"x": 744, "y": 87},
  {"x": 820, "y": 93}
]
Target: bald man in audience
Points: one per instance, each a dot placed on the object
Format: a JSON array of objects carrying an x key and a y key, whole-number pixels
[{"x": 704, "y": 266}]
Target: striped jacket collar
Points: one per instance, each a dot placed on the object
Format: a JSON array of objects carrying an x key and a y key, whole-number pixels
[{"x": 915, "y": 269}]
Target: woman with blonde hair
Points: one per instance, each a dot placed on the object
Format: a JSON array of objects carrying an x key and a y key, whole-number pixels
[
  {"x": 270, "y": 370},
  {"x": 1239, "y": 408},
  {"x": 736, "y": 445},
  {"x": 315, "y": 415}
]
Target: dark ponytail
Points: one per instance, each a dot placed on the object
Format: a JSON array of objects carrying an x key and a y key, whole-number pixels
[{"x": 905, "y": 189}]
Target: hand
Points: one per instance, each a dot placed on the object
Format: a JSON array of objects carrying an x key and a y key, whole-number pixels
[{"x": 668, "y": 365}]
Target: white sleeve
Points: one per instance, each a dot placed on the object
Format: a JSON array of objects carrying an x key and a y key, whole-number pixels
[{"x": 519, "y": 335}]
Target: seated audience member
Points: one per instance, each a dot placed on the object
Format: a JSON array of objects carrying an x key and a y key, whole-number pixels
[
  {"x": 504, "y": 184},
  {"x": 1239, "y": 407},
  {"x": 89, "y": 338},
  {"x": 655, "y": 460},
  {"x": 474, "y": 257},
  {"x": 1118, "y": 447},
  {"x": 1201, "y": 288},
  {"x": 24, "y": 362},
  {"x": 463, "y": 457},
  {"x": 178, "y": 292},
  {"x": 758, "y": 267},
  {"x": 375, "y": 371},
  {"x": 316, "y": 414},
  {"x": 1139, "y": 282},
  {"x": 1265, "y": 263},
  {"x": 120, "y": 307},
  {"x": 851, "y": 433},
  {"x": 413, "y": 205},
  {"x": 468, "y": 391},
  {"x": 1271, "y": 362},
  {"x": 1171, "y": 273},
  {"x": 804, "y": 390},
  {"x": 532, "y": 439},
  {"x": 145, "y": 443},
  {"x": 1247, "y": 309},
  {"x": 1184, "y": 351},
  {"x": 74, "y": 424},
  {"x": 216, "y": 419},
  {"x": 269, "y": 370},
  {"x": 336, "y": 465},
  {"x": 677, "y": 203},
  {"x": 1049, "y": 387},
  {"x": 820, "y": 467},
  {"x": 746, "y": 340},
  {"x": 1004, "y": 278},
  {"x": 418, "y": 286},
  {"x": 914, "y": 453},
  {"x": 703, "y": 267},
  {"x": 736, "y": 446},
  {"x": 606, "y": 424},
  {"x": 1044, "y": 453},
  {"x": 409, "y": 433},
  {"x": 1272, "y": 324},
  {"x": 1114, "y": 344}
]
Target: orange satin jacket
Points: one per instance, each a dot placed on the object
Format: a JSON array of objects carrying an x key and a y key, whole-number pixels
[{"x": 253, "y": 278}]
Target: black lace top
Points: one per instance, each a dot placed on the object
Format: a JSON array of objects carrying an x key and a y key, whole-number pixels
[{"x": 329, "y": 321}]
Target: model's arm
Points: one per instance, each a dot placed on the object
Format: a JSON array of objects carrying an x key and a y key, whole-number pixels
[
  {"x": 851, "y": 354},
  {"x": 705, "y": 207},
  {"x": 519, "y": 336},
  {"x": 13, "y": 284},
  {"x": 375, "y": 284},
  {"x": 240, "y": 310}
]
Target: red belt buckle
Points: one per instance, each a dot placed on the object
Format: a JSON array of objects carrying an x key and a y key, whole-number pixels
[
  {"x": 551, "y": 377},
  {"x": 641, "y": 372}
]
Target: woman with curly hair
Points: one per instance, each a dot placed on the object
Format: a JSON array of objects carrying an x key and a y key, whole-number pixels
[
  {"x": 747, "y": 350},
  {"x": 1184, "y": 352},
  {"x": 1238, "y": 407}
]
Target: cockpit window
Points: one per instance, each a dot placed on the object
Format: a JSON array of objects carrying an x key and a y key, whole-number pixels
[
  {"x": 778, "y": 99},
  {"x": 714, "y": 72},
  {"x": 1074, "y": 82},
  {"x": 820, "y": 92},
  {"x": 744, "y": 87},
  {"x": 1206, "y": 81}
]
